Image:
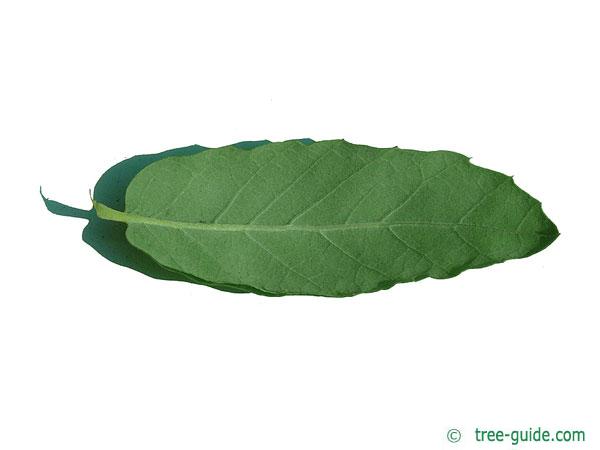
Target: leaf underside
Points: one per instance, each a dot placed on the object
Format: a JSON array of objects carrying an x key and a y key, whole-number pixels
[{"x": 327, "y": 218}]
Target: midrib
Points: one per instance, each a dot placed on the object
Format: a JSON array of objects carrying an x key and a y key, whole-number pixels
[{"x": 107, "y": 213}]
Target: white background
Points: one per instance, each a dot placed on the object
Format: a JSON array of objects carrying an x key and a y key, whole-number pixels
[{"x": 96, "y": 356}]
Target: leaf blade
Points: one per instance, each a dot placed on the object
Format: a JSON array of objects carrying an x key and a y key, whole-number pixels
[{"x": 328, "y": 218}]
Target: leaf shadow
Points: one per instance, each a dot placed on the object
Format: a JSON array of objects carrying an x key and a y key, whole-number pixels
[{"x": 108, "y": 238}]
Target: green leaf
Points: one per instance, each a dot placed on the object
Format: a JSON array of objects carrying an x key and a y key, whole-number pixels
[{"x": 327, "y": 218}]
